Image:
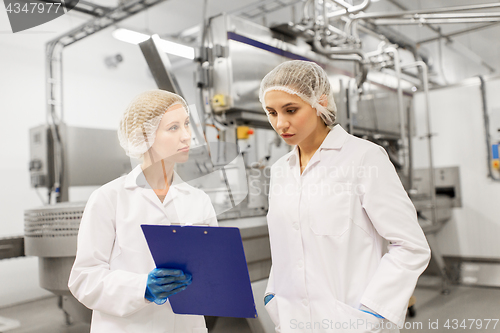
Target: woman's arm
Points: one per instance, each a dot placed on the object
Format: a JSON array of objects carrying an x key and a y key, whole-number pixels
[
  {"x": 115, "y": 292},
  {"x": 393, "y": 215}
]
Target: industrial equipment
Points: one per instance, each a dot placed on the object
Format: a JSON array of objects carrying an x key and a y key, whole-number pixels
[
  {"x": 88, "y": 157},
  {"x": 372, "y": 91}
]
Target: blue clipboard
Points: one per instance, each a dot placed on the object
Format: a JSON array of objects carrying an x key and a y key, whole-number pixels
[{"x": 214, "y": 256}]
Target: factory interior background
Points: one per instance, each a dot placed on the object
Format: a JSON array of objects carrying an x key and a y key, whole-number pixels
[{"x": 440, "y": 122}]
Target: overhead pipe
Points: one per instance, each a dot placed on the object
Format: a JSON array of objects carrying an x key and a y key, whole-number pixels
[
  {"x": 348, "y": 8},
  {"x": 434, "y": 21},
  {"x": 458, "y": 32},
  {"x": 432, "y": 182},
  {"x": 343, "y": 54},
  {"x": 366, "y": 16},
  {"x": 338, "y": 53}
]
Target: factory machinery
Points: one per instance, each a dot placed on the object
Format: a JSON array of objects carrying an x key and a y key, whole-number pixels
[{"x": 373, "y": 92}]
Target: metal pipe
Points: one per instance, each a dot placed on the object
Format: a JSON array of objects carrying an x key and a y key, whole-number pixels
[
  {"x": 371, "y": 32},
  {"x": 458, "y": 32},
  {"x": 409, "y": 121},
  {"x": 426, "y": 11},
  {"x": 425, "y": 82},
  {"x": 434, "y": 21},
  {"x": 451, "y": 15},
  {"x": 397, "y": 67},
  {"x": 305, "y": 9},
  {"x": 348, "y": 10},
  {"x": 343, "y": 54},
  {"x": 334, "y": 50},
  {"x": 361, "y": 62},
  {"x": 353, "y": 9}
]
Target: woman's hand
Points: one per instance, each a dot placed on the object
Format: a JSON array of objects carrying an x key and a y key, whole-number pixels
[{"x": 165, "y": 282}]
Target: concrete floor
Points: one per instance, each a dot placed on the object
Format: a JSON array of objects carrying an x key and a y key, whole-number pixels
[{"x": 469, "y": 303}]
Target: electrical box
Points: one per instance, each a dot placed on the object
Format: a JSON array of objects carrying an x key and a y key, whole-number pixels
[
  {"x": 90, "y": 156},
  {"x": 41, "y": 157},
  {"x": 446, "y": 182}
]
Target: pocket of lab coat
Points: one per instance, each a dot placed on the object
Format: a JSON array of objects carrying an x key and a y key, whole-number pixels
[
  {"x": 272, "y": 310},
  {"x": 330, "y": 210},
  {"x": 363, "y": 322}
]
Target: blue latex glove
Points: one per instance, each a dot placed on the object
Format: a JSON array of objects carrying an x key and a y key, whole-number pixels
[
  {"x": 267, "y": 298},
  {"x": 165, "y": 282}
]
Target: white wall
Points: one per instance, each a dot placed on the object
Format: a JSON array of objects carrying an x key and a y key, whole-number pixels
[{"x": 457, "y": 121}]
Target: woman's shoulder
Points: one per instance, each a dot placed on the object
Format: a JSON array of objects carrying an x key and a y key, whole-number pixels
[
  {"x": 363, "y": 146},
  {"x": 110, "y": 189}
]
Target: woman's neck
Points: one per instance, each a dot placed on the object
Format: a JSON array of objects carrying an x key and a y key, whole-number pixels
[
  {"x": 309, "y": 145},
  {"x": 159, "y": 175}
]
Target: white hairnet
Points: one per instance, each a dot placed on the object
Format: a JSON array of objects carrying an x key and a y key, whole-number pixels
[
  {"x": 137, "y": 131},
  {"x": 305, "y": 79}
]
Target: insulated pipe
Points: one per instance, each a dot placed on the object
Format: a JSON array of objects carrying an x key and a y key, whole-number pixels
[
  {"x": 432, "y": 181},
  {"x": 428, "y": 11},
  {"x": 456, "y": 33},
  {"x": 434, "y": 21},
  {"x": 451, "y": 15}
]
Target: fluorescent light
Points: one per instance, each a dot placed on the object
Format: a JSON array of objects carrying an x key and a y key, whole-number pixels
[
  {"x": 134, "y": 37},
  {"x": 174, "y": 48},
  {"x": 130, "y": 36}
]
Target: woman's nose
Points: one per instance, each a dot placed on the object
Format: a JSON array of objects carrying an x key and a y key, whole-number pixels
[
  {"x": 186, "y": 134},
  {"x": 282, "y": 123}
]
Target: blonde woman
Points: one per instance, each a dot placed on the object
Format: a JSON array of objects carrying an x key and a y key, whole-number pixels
[
  {"x": 335, "y": 202},
  {"x": 114, "y": 273}
]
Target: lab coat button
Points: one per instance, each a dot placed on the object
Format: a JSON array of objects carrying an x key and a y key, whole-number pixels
[
  {"x": 296, "y": 226},
  {"x": 305, "y": 302}
]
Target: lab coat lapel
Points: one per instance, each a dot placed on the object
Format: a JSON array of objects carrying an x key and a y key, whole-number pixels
[
  {"x": 294, "y": 163},
  {"x": 136, "y": 179}
]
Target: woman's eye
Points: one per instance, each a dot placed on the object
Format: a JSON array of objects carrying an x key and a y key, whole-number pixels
[
  {"x": 173, "y": 128},
  {"x": 272, "y": 113},
  {"x": 291, "y": 110}
]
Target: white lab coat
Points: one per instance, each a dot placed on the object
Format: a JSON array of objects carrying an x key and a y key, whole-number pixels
[
  {"x": 343, "y": 234},
  {"x": 113, "y": 260}
]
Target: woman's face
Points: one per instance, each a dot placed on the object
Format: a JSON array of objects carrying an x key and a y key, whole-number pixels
[
  {"x": 173, "y": 136},
  {"x": 292, "y": 118}
]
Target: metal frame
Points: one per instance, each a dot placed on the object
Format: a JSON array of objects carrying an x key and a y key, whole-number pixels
[
  {"x": 53, "y": 61},
  {"x": 11, "y": 247}
]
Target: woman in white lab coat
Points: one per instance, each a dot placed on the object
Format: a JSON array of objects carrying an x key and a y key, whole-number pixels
[
  {"x": 114, "y": 273},
  {"x": 346, "y": 245}
]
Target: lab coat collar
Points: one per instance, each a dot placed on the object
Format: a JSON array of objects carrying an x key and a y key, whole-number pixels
[
  {"x": 136, "y": 179},
  {"x": 335, "y": 139}
]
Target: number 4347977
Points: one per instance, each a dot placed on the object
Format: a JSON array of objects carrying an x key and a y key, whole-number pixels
[
  {"x": 33, "y": 7},
  {"x": 472, "y": 324}
]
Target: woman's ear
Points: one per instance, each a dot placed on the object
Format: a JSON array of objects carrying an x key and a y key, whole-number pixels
[{"x": 323, "y": 100}]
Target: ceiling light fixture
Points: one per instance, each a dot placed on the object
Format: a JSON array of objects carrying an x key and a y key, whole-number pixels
[{"x": 134, "y": 37}]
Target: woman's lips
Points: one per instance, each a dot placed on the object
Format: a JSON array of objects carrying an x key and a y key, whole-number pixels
[
  {"x": 184, "y": 149},
  {"x": 286, "y": 135}
]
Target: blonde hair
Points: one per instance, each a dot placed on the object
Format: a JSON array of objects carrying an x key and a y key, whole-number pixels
[{"x": 137, "y": 130}]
